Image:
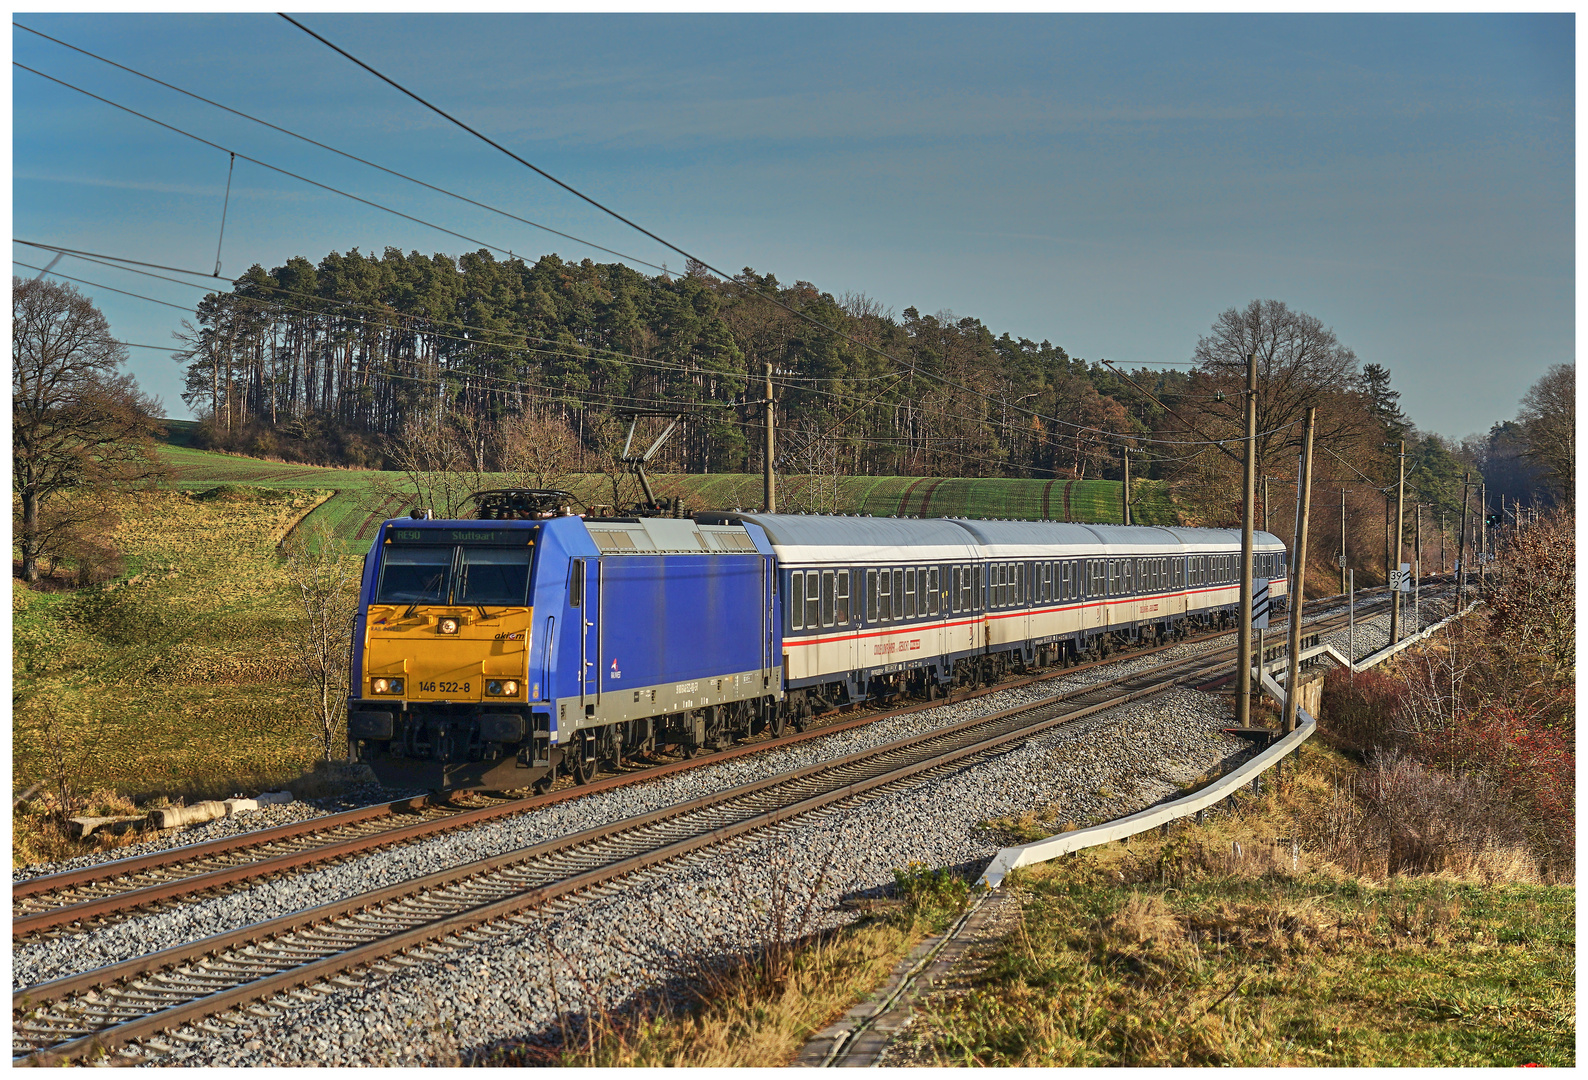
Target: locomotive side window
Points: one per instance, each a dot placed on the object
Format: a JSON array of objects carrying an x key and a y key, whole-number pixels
[
  {"x": 418, "y": 575},
  {"x": 494, "y": 577},
  {"x": 813, "y": 600},
  {"x": 841, "y": 599},
  {"x": 796, "y": 602},
  {"x": 932, "y": 591},
  {"x": 827, "y": 598},
  {"x": 871, "y": 596}
]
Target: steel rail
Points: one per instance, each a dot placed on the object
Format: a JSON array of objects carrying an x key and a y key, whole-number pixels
[
  {"x": 918, "y": 753},
  {"x": 84, "y": 913}
]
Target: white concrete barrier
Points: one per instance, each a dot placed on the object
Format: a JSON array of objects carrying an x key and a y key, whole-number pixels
[{"x": 1043, "y": 850}]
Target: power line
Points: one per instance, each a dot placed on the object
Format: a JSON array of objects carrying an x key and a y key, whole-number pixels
[
  {"x": 266, "y": 165},
  {"x": 343, "y": 153}
]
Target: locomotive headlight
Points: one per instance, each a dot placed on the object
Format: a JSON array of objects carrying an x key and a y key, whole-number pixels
[
  {"x": 502, "y": 687},
  {"x": 447, "y": 626},
  {"x": 386, "y": 686}
]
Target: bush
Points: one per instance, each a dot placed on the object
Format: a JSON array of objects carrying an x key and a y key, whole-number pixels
[{"x": 1360, "y": 712}]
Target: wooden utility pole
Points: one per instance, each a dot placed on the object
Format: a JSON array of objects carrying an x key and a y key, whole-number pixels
[
  {"x": 1483, "y": 533},
  {"x": 1243, "y": 658},
  {"x": 1400, "y": 531},
  {"x": 1124, "y": 453},
  {"x": 768, "y": 481},
  {"x": 1386, "y": 536},
  {"x": 1342, "y": 541},
  {"x": 1417, "y": 566},
  {"x": 1293, "y": 675},
  {"x": 1461, "y": 547}
]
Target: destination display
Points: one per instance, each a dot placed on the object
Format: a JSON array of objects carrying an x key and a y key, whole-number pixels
[{"x": 460, "y": 536}]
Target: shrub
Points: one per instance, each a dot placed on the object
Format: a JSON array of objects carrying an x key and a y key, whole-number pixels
[{"x": 1359, "y": 712}]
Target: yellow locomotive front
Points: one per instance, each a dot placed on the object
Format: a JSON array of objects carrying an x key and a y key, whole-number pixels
[{"x": 443, "y": 657}]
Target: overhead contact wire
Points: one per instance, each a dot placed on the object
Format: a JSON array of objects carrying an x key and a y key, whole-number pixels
[{"x": 334, "y": 150}]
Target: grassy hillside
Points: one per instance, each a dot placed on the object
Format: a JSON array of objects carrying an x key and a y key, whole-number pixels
[
  {"x": 357, "y": 505},
  {"x": 177, "y": 677}
]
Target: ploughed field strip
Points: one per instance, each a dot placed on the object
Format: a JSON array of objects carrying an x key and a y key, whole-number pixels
[
  {"x": 88, "y": 898},
  {"x": 124, "y": 1003}
]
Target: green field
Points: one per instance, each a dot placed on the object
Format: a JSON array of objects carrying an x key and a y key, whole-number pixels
[{"x": 358, "y": 505}]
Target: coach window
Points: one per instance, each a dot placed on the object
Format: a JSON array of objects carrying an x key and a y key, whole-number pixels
[
  {"x": 1047, "y": 582},
  {"x": 1020, "y": 583},
  {"x": 796, "y": 607},
  {"x": 827, "y": 598},
  {"x": 931, "y": 591},
  {"x": 813, "y": 600},
  {"x": 978, "y": 587},
  {"x": 953, "y": 593},
  {"x": 871, "y": 596},
  {"x": 909, "y": 593},
  {"x": 841, "y": 599},
  {"x": 898, "y": 593},
  {"x": 1064, "y": 581}
]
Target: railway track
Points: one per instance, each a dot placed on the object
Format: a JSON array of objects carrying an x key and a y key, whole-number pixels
[
  {"x": 287, "y": 958},
  {"x": 92, "y": 897}
]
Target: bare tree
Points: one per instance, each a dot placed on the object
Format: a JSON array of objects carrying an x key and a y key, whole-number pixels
[
  {"x": 439, "y": 465},
  {"x": 1534, "y": 601},
  {"x": 536, "y": 451},
  {"x": 1549, "y": 425},
  {"x": 327, "y": 583},
  {"x": 1300, "y": 363},
  {"x": 76, "y": 423}
]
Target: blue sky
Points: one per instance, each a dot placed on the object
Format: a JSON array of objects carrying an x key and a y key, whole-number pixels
[{"x": 1107, "y": 183}]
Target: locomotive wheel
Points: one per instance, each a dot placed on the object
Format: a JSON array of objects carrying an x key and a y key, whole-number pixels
[
  {"x": 779, "y": 723},
  {"x": 583, "y": 771}
]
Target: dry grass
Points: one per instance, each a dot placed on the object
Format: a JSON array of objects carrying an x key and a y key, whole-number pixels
[
  {"x": 179, "y": 673},
  {"x": 1246, "y": 942}
]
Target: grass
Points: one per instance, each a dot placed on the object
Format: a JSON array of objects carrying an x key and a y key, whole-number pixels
[
  {"x": 176, "y": 679},
  {"x": 1187, "y": 949}
]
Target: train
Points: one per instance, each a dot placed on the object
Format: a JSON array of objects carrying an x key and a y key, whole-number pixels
[{"x": 503, "y": 650}]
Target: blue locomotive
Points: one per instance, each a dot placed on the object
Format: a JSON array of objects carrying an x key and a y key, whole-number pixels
[{"x": 501, "y": 651}]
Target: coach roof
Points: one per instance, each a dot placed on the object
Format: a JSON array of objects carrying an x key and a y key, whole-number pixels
[{"x": 820, "y": 537}]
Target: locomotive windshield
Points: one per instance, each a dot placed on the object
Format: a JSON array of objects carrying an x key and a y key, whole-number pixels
[
  {"x": 493, "y": 576},
  {"x": 498, "y": 577}
]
